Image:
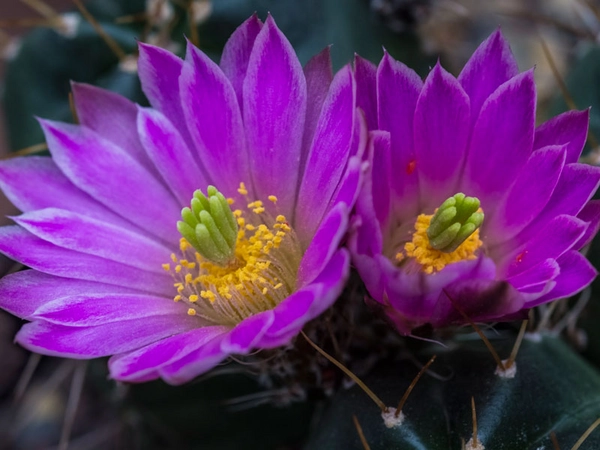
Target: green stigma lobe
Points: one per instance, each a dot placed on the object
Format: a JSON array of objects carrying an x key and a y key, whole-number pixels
[
  {"x": 454, "y": 221},
  {"x": 209, "y": 226}
]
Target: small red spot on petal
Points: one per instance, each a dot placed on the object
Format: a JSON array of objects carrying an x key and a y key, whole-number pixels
[
  {"x": 410, "y": 167},
  {"x": 520, "y": 256}
]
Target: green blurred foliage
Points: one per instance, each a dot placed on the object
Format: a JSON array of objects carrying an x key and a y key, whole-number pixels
[{"x": 38, "y": 78}]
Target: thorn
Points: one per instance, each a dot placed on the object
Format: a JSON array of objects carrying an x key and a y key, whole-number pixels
[
  {"x": 32, "y": 364},
  {"x": 412, "y": 385},
  {"x": 474, "y": 415},
  {"x": 348, "y": 372},
  {"x": 515, "y": 350},
  {"x": 546, "y": 315},
  {"x": 474, "y": 443},
  {"x": 72, "y": 403},
  {"x": 28, "y": 22},
  {"x": 112, "y": 44},
  {"x": 151, "y": 17},
  {"x": 72, "y": 107},
  {"x": 554, "y": 440},
  {"x": 43, "y": 8},
  {"x": 334, "y": 341},
  {"x": 131, "y": 18},
  {"x": 26, "y": 151},
  {"x": 193, "y": 27},
  {"x": 571, "y": 315},
  {"x": 531, "y": 319},
  {"x": 479, "y": 332},
  {"x": 585, "y": 435},
  {"x": 361, "y": 435}
]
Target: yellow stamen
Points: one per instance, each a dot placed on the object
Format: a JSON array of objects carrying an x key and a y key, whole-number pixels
[
  {"x": 191, "y": 312},
  {"x": 272, "y": 198},
  {"x": 242, "y": 189},
  {"x": 433, "y": 260}
]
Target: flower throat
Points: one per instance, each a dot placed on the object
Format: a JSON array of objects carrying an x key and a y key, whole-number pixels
[
  {"x": 233, "y": 263},
  {"x": 449, "y": 235}
]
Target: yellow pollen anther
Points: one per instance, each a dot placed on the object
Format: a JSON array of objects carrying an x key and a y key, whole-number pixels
[
  {"x": 177, "y": 268},
  {"x": 208, "y": 295},
  {"x": 177, "y": 298},
  {"x": 183, "y": 244},
  {"x": 193, "y": 298},
  {"x": 258, "y": 210},
  {"x": 430, "y": 259},
  {"x": 191, "y": 312},
  {"x": 280, "y": 219},
  {"x": 278, "y": 285},
  {"x": 167, "y": 267},
  {"x": 242, "y": 189},
  {"x": 272, "y": 198},
  {"x": 230, "y": 201}
]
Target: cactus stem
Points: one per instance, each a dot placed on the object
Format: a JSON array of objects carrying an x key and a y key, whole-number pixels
[
  {"x": 485, "y": 340},
  {"x": 361, "y": 435},
  {"x": 412, "y": 385},
  {"x": 348, "y": 372}
]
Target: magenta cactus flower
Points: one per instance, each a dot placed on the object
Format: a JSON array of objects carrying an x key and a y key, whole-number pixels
[
  {"x": 210, "y": 224},
  {"x": 469, "y": 208}
]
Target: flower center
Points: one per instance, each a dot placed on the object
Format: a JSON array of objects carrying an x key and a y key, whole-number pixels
[
  {"x": 449, "y": 235},
  {"x": 233, "y": 264}
]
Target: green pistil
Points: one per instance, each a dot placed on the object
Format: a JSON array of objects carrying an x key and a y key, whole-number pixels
[
  {"x": 454, "y": 221},
  {"x": 209, "y": 226}
]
